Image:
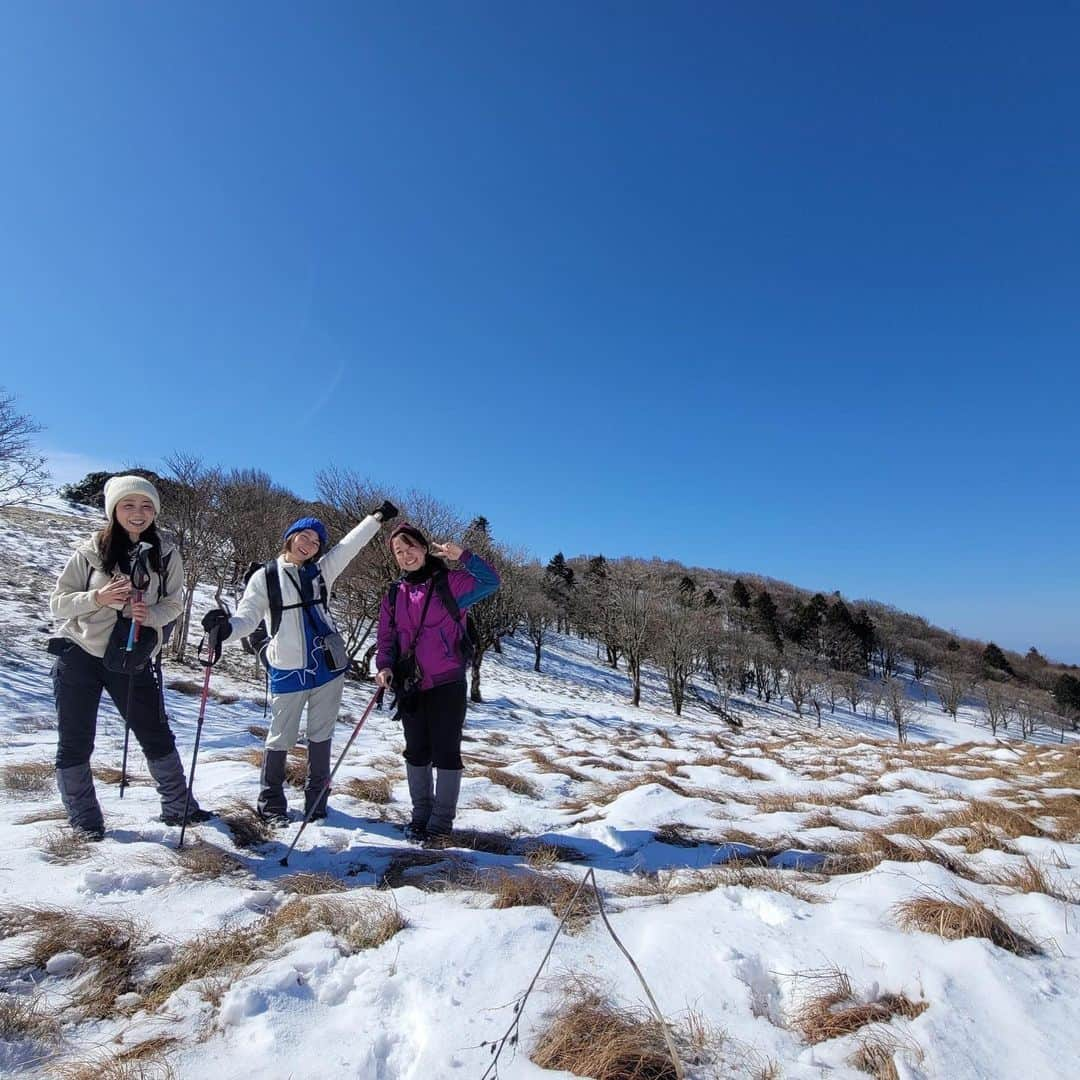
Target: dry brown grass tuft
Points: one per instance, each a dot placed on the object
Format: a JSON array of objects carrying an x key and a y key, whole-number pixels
[
  {"x": 825, "y": 819},
  {"x": 305, "y": 884},
  {"x": 296, "y": 766},
  {"x": 1064, "y": 810},
  {"x": 401, "y": 868},
  {"x": 244, "y": 824},
  {"x": 108, "y": 947},
  {"x": 208, "y": 862},
  {"x": 544, "y": 764},
  {"x": 981, "y": 836},
  {"x": 257, "y": 731},
  {"x": 358, "y": 922},
  {"x": 875, "y": 1052},
  {"x": 519, "y": 785},
  {"x": 482, "y": 802},
  {"x": 27, "y": 1018},
  {"x": 194, "y": 688},
  {"x": 757, "y": 877},
  {"x": 963, "y": 918},
  {"x": 146, "y": 1061},
  {"x": 591, "y": 1036},
  {"x": 211, "y": 959},
  {"x": 56, "y": 814},
  {"x": 64, "y": 845},
  {"x": 987, "y": 812},
  {"x": 532, "y": 889},
  {"x": 28, "y": 778},
  {"x": 109, "y": 775},
  {"x": 777, "y": 803},
  {"x": 376, "y": 789},
  {"x": 1029, "y": 878},
  {"x": 498, "y": 738},
  {"x": 923, "y": 826},
  {"x": 874, "y": 847},
  {"x": 832, "y": 1011}
]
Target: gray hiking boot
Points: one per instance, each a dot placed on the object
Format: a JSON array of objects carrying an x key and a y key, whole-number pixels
[
  {"x": 76, "y": 784},
  {"x": 421, "y": 792},
  {"x": 272, "y": 804},
  {"x": 318, "y": 756},
  {"x": 447, "y": 787},
  {"x": 168, "y": 774}
]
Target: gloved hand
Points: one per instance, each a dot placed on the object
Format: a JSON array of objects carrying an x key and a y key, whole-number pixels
[
  {"x": 387, "y": 512},
  {"x": 217, "y": 619}
]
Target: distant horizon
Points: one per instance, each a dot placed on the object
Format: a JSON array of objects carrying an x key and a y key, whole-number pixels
[{"x": 69, "y": 467}]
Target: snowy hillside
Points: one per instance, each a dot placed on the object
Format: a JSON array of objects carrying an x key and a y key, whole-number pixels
[{"x": 801, "y": 902}]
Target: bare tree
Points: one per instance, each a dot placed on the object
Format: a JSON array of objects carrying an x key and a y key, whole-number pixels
[
  {"x": 998, "y": 699},
  {"x": 873, "y": 695},
  {"x": 899, "y": 706},
  {"x": 541, "y": 612},
  {"x": 954, "y": 683},
  {"x": 851, "y": 687},
  {"x": 632, "y": 611},
  {"x": 23, "y": 475},
  {"x": 192, "y": 516},
  {"x": 799, "y": 682},
  {"x": 675, "y": 643}
]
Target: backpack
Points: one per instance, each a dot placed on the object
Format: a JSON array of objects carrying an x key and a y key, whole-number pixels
[
  {"x": 470, "y": 639},
  {"x": 256, "y": 642}
]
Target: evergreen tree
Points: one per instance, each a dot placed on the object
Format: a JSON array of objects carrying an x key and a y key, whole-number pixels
[
  {"x": 993, "y": 657},
  {"x": 1067, "y": 693},
  {"x": 765, "y": 609},
  {"x": 740, "y": 594}
]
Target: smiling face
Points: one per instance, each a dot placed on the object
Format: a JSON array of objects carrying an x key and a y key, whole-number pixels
[
  {"x": 302, "y": 546},
  {"x": 134, "y": 514},
  {"x": 409, "y": 554}
]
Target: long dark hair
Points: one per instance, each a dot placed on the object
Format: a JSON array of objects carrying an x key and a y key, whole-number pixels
[{"x": 114, "y": 546}]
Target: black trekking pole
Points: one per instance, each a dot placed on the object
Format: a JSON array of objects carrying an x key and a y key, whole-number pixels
[
  {"x": 140, "y": 581},
  {"x": 208, "y": 663},
  {"x": 376, "y": 697}
]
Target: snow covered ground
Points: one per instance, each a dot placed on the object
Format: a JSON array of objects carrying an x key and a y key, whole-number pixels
[{"x": 748, "y": 872}]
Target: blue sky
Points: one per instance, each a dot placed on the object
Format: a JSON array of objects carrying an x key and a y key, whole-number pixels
[{"x": 788, "y": 290}]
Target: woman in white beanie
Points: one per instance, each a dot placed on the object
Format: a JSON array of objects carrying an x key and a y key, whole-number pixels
[{"x": 92, "y": 594}]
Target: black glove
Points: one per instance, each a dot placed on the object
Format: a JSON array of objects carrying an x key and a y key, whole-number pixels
[
  {"x": 217, "y": 620},
  {"x": 387, "y": 512}
]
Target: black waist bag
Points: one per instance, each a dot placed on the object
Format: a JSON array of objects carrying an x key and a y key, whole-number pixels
[{"x": 118, "y": 659}]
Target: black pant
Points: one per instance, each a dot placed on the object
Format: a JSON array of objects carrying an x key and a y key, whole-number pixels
[
  {"x": 78, "y": 679},
  {"x": 433, "y": 728}
]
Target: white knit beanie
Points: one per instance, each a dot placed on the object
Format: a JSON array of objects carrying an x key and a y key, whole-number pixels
[{"x": 119, "y": 486}]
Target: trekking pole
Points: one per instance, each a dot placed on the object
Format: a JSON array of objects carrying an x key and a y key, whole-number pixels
[
  {"x": 140, "y": 581},
  {"x": 376, "y": 697},
  {"x": 208, "y": 663}
]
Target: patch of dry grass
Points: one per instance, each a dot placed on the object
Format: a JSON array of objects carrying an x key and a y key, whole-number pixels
[
  {"x": 544, "y": 764},
  {"x": 108, "y": 946},
  {"x": 962, "y": 918},
  {"x": 876, "y": 1050},
  {"x": 1064, "y": 810},
  {"x": 28, "y": 778},
  {"x": 208, "y": 862},
  {"x": 589, "y": 1035},
  {"x": 244, "y": 824},
  {"x": 482, "y": 802},
  {"x": 296, "y": 767},
  {"x": 357, "y": 922},
  {"x": 519, "y": 785},
  {"x": 401, "y": 868},
  {"x": 64, "y": 845},
  {"x": 27, "y": 1019},
  {"x": 107, "y": 774},
  {"x": 1029, "y": 878},
  {"x": 257, "y": 731},
  {"x": 56, "y": 814},
  {"x": 831, "y": 1011},
  {"x": 376, "y": 789},
  {"x": 147, "y": 1060},
  {"x": 194, "y": 688},
  {"x": 873, "y": 847},
  {"x": 981, "y": 836},
  {"x": 310, "y": 884}
]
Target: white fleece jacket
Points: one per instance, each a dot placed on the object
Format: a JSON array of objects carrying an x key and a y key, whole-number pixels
[{"x": 287, "y": 649}]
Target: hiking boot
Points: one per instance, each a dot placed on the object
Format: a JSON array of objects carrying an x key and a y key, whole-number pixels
[
  {"x": 76, "y": 784},
  {"x": 93, "y": 833},
  {"x": 417, "y": 834},
  {"x": 272, "y": 802}
]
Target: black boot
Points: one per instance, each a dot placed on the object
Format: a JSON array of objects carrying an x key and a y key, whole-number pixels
[{"x": 272, "y": 805}]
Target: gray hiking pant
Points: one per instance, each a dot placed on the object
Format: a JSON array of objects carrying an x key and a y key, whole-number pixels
[{"x": 323, "y": 704}]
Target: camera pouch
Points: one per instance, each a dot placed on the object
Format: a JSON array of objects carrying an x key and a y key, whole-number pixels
[
  {"x": 337, "y": 656},
  {"x": 118, "y": 659}
]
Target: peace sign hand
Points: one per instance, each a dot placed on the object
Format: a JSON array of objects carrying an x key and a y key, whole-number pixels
[{"x": 449, "y": 550}]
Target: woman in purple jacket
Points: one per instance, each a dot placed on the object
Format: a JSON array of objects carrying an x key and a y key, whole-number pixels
[{"x": 417, "y": 620}]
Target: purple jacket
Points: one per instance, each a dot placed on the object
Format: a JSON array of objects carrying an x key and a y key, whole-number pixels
[{"x": 439, "y": 644}]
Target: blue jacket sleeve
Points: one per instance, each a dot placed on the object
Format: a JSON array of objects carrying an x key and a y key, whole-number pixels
[{"x": 475, "y": 580}]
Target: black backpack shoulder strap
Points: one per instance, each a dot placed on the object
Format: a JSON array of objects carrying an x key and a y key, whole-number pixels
[
  {"x": 273, "y": 594},
  {"x": 392, "y": 596},
  {"x": 442, "y": 583},
  {"x": 162, "y": 584}
]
